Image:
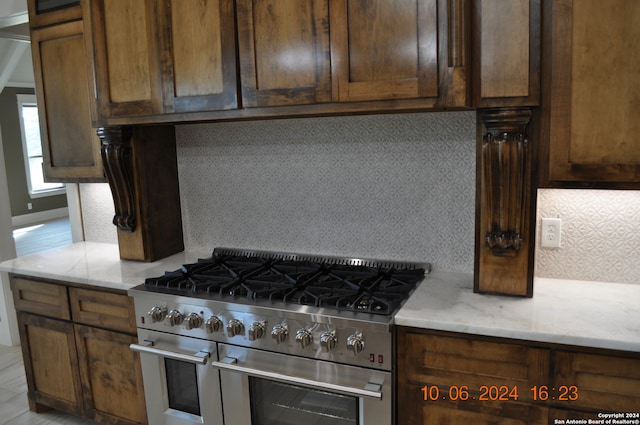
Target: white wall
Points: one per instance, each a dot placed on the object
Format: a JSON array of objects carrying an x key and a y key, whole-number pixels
[
  {"x": 8, "y": 325},
  {"x": 12, "y": 7}
]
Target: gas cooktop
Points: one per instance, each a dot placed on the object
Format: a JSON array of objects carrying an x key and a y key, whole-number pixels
[{"x": 356, "y": 285}]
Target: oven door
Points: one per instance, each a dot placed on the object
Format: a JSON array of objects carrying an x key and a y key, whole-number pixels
[
  {"x": 180, "y": 386},
  {"x": 263, "y": 388}
]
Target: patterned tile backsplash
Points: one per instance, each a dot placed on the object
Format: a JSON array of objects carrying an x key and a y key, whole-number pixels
[
  {"x": 600, "y": 238},
  {"x": 398, "y": 187}
]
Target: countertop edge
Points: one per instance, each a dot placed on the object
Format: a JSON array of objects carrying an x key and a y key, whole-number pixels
[{"x": 563, "y": 312}]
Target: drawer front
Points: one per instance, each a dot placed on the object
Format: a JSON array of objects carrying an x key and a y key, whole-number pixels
[
  {"x": 604, "y": 383},
  {"x": 486, "y": 369},
  {"x": 46, "y": 299},
  {"x": 103, "y": 309},
  {"x": 477, "y": 413}
]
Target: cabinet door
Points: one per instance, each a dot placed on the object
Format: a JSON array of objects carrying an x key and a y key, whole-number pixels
[
  {"x": 51, "y": 364},
  {"x": 284, "y": 52},
  {"x": 126, "y": 57},
  {"x": 111, "y": 376},
  {"x": 604, "y": 383},
  {"x": 506, "y": 69},
  {"x": 459, "y": 372},
  {"x": 591, "y": 122},
  {"x": 70, "y": 146},
  {"x": 198, "y": 55},
  {"x": 398, "y": 50}
]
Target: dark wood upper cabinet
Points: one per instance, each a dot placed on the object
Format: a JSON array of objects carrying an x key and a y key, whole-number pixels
[
  {"x": 405, "y": 49},
  {"x": 284, "y": 52},
  {"x": 64, "y": 88},
  {"x": 126, "y": 58},
  {"x": 157, "y": 57},
  {"x": 506, "y": 51},
  {"x": 591, "y": 88},
  {"x": 198, "y": 55}
]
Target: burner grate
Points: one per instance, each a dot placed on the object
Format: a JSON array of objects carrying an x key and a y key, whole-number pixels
[{"x": 290, "y": 278}]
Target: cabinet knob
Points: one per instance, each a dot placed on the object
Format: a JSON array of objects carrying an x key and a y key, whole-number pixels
[
  {"x": 213, "y": 324},
  {"x": 235, "y": 327},
  {"x": 256, "y": 331},
  {"x": 175, "y": 318},
  {"x": 355, "y": 343},
  {"x": 157, "y": 313},
  {"x": 279, "y": 333},
  {"x": 192, "y": 321},
  {"x": 328, "y": 341},
  {"x": 304, "y": 338}
]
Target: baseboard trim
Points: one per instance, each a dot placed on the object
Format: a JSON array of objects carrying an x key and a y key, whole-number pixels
[{"x": 39, "y": 217}]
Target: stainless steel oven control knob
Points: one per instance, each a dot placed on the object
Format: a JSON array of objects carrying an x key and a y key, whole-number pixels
[
  {"x": 328, "y": 341},
  {"x": 355, "y": 343},
  {"x": 256, "y": 331},
  {"x": 175, "y": 318},
  {"x": 304, "y": 338},
  {"x": 158, "y": 313},
  {"x": 213, "y": 324},
  {"x": 235, "y": 327},
  {"x": 192, "y": 321},
  {"x": 279, "y": 333}
]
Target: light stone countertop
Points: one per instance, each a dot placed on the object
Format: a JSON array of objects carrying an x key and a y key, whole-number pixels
[
  {"x": 591, "y": 314},
  {"x": 93, "y": 263},
  {"x": 588, "y": 314}
]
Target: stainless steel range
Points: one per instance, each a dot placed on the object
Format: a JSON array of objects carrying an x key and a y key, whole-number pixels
[{"x": 262, "y": 338}]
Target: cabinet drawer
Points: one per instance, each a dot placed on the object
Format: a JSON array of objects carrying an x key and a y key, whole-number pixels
[
  {"x": 102, "y": 309},
  {"x": 481, "y": 366},
  {"x": 47, "y": 299},
  {"x": 605, "y": 383},
  {"x": 448, "y": 412}
]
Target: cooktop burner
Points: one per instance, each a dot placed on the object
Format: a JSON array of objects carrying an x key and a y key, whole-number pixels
[{"x": 360, "y": 288}]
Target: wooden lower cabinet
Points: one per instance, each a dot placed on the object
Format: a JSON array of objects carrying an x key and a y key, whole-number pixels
[
  {"x": 78, "y": 361},
  {"x": 603, "y": 383},
  {"x": 453, "y": 379},
  {"x": 478, "y": 413},
  {"x": 458, "y": 380},
  {"x": 51, "y": 363},
  {"x": 110, "y": 375}
]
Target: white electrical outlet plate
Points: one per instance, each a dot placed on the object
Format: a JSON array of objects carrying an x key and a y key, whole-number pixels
[{"x": 551, "y": 232}]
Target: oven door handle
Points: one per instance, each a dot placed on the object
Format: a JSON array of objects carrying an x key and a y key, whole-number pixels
[
  {"x": 201, "y": 357},
  {"x": 371, "y": 390}
]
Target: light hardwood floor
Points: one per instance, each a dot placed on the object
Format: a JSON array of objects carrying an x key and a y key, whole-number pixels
[{"x": 39, "y": 237}]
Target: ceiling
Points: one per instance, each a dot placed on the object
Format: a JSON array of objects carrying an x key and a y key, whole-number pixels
[{"x": 16, "y": 68}]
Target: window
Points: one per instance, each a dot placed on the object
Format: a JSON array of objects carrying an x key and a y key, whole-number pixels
[{"x": 32, "y": 148}]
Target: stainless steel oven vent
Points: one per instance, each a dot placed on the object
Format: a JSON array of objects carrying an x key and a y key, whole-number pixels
[{"x": 286, "y": 256}]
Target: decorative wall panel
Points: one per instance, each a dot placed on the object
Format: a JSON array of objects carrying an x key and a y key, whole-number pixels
[
  {"x": 600, "y": 239},
  {"x": 97, "y": 213},
  {"x": 397, "y": 187}
]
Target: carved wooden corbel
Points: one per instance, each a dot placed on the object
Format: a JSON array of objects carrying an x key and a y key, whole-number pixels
[
  {"x": 117, "y": 157},
  {"x": 504, "y": 162}
]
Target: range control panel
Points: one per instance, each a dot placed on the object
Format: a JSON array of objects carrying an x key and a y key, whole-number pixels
[{"x": 312, "y": 336}]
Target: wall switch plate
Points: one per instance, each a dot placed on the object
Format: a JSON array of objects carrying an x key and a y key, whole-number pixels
[{"x": 550, "y": 234}]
